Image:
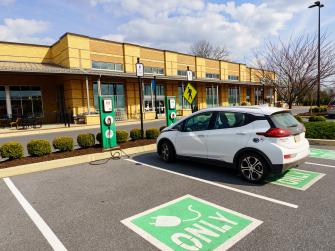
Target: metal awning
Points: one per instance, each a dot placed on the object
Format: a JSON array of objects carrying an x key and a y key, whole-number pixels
[{"x": 46, "y": 68}]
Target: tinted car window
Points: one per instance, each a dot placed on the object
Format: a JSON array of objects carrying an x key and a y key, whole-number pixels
[
  {"x": 284, "y": 120},
  {"x": 198, "y": 122},
  {"x": 230, "y": 120}
]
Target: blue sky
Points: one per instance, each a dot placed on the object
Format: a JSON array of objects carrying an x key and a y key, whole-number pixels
[{"x": 242, "y": 26}]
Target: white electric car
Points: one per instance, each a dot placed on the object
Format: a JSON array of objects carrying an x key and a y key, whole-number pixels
[{"x": 256, "y": 140}]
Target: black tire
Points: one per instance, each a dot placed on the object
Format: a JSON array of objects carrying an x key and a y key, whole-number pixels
[
  {"x": 166, "y": 151},
  {"x": 252, "y": 167}
]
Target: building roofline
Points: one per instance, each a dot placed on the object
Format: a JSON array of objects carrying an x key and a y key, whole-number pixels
[
  {"x": 24, "y": 44},
  {"x": 145, "y": 47}
]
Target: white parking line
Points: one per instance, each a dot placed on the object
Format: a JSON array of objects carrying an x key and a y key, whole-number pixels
[
  {"x": 317, "y": 164},
  {"x": 35, "y": 217},
  {"x": 219, "y": 185}
]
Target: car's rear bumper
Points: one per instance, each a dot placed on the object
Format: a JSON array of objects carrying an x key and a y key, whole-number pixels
[{"x": 281, "y": 168}]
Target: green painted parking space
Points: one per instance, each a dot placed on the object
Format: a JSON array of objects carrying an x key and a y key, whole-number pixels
[
  {"x": 190, "y": 223},
  {"x": 322, "y": 153},
  {"x": 297, "y": 179}
]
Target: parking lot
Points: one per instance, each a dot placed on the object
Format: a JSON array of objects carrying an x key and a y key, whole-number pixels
[{"x": 103, "y": 207}]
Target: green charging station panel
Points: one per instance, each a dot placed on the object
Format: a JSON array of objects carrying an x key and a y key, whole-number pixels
[
  {"x": 107, "y": 121},
  {"x": 171, "y": 112}
]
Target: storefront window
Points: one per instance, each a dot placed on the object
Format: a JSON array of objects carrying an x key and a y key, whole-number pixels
[
  {"x": 248, "y": 92},
  {"x": 116, "y": 90},
  {"x": 258, "y": 96},
  {"x": 26, "y": 101},
  {"x": 234, "y": 95},
  {"x": 3, "y": 110},
  {"x": 149, "y": 98},
  {"x": 211, "y": 97}
]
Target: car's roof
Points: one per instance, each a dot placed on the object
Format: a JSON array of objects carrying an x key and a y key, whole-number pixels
[{"x": 257, "y": 109}]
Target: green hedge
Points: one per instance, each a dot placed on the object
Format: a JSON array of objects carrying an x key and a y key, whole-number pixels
[
  {"x": 297, "y": 117},
  {"x": 122, "y": 136},
  {"x": 63, "y": 143},
  {"x": 86, "y": 140},
  {"x": 38, "y": 147},
  {"x": 11, "y": 150},
  {"x": 135, "y": 134},
  {"x": 99, "y": 138},
  {"x": 318, "y": 109},
  {"x": 152, "y": 133},
  {"x": 316, "y": 119},
  {"x": 320, "y": 130},
  {"x": 162, "y": 128}
]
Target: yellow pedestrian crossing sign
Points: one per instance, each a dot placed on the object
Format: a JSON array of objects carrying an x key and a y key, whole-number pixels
[{"x": 190, "y": 93}]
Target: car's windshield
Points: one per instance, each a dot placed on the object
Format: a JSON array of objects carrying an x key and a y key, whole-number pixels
[{"x": 332, "y": 102}]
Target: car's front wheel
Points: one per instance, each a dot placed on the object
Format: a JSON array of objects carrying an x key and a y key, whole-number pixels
[
  {"x": 253, "y": 167},
  {"x": 166, "y": 151}
]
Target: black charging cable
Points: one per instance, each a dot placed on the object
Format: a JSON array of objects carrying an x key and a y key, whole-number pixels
[{"x": 115, "y": 154}]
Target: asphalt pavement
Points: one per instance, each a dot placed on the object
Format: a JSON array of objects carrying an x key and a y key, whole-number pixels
[{"x": 84, "y": 205}]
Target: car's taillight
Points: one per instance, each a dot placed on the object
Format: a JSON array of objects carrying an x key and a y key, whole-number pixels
[{"x": 275, "y": 133}]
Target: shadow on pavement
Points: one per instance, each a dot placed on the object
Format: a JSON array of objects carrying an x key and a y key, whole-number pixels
[{"x": 219, "y": 174}]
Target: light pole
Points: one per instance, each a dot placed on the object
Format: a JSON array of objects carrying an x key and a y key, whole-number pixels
[{"x": 319, "y": 5}]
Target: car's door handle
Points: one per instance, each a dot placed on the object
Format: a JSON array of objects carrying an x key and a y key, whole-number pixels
[
  {"x": 201, "y": 135},
  {"x": 241, "y": 133}
]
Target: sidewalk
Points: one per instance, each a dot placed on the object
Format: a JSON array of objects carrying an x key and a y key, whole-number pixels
[{"x": 51, "y": 128}]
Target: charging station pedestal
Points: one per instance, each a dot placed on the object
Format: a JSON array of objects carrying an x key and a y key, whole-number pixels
[
  {"x": 171, "y": 112},
  {"x": 107, "y": 121}
]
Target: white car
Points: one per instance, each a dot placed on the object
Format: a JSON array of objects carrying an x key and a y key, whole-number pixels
[{"x": 256, "y": 140}]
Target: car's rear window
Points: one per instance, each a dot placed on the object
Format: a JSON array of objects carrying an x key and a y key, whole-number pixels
[{"x": 284, "y": 120}]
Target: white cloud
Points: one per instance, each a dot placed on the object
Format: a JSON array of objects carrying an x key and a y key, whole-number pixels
[
  {"x": 114, "y": 37},
  {"x": 175, "y": 24},
  {"x": 6, "y": 2},
  {"x": 24, "y": 30}
]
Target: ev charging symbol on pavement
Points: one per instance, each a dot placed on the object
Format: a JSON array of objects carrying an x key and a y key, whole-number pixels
[
  {"x": 190, "y": 223},
  {"x": 173, "y": 221}
]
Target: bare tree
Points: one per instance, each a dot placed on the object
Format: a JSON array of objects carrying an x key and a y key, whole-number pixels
[
  {"x": 204, "y": 48},
  {"x": 291, "y": 67}
]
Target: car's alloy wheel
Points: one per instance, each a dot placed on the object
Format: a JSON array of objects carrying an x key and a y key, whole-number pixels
[
  {"x": 252, "y": 168},
  {"x": 166, "y": 151}
]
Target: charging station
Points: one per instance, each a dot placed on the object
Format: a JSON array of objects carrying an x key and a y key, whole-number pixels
[
  {"x": 171, "y": 112},
  {"x": 107, "y": 121}
]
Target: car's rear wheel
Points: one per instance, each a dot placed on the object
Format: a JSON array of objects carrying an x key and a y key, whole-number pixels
[
  {"x": 166, "y": 151},
  {"x": 253, "y": 167}
]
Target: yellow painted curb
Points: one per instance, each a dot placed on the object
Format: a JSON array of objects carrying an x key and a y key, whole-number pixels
[{"x": 52, "y": 164}]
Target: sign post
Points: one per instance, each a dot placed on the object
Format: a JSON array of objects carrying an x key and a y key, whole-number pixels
[
  {"x": 153, "y": 86},
  {"x": 107, "y": 121},
  {"x": 140, "y": 74},
  {"x": 171, "y": 112}
]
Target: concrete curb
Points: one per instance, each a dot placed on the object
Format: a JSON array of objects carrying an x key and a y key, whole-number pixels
[
  {"x": 52, "y": 164},
  {"x": 322, "y": 142}
]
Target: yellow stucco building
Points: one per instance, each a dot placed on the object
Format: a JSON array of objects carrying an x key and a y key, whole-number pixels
[{"x": 46, "y": 81}]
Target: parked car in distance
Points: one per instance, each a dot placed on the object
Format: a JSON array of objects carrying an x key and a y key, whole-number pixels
[
  {"x": 331, "y": 108},
  {"x": 256, "y": 140}
]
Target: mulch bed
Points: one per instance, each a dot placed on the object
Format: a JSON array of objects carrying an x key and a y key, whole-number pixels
[{"x": 77, "y": 152}]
